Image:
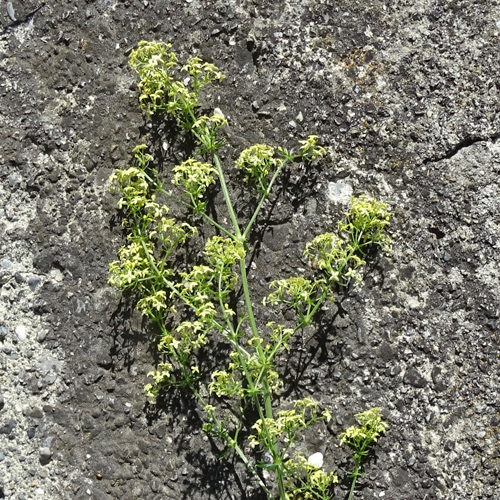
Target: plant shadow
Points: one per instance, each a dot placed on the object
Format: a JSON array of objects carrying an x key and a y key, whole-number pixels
[{"x": 210, "y": 476}]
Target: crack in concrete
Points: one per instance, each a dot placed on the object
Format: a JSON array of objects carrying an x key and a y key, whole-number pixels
[{"x": 465, "y": 143}]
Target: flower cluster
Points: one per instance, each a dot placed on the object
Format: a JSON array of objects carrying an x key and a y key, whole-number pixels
[
  {"x": 160, "y": 92},
  {"x": 309, "y": 149},
  {"x": 256, "y": 162},
  {"x": 288, "y": 423},
  {"x": 305, "y": 481},
  {"x": 371, "y": 426},
  {"x": 202, "y": 72},
  {"x": 336, "y": 257},
  {"x": 366, "y": 222},
  {"x": 133, "y": 266},
  {"x": 196, "y": 177},
  {"x": 297, "y": 292},
  {"x": 340, "y": 255}
]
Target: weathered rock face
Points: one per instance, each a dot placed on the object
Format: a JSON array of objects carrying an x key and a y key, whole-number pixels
[{"x": 404, "y": 95}]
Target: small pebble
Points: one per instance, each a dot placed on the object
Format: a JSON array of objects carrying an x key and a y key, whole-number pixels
[
  {"x": 21, "y": 333},
  {"x": 10, "y": 11},
  {"x": 40, "y": 336},
  {"x": 316, "y": 459},
  {"x": 45, "y": 455},
  {"x": 218, "y": 112}
]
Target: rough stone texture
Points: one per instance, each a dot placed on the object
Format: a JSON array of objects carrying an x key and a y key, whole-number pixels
[{"x": 404, "y": 95}]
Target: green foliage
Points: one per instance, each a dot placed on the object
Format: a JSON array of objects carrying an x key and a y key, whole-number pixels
[
  {"x": 287, "y": 424},
  {"x": 370, "y": 428},
  {"x": 362, "y": 438},
  {"x": 257, "y": 161},
  {"x": 366, "y": 223},
  {"x": 160, "y": 93},
  {"x": 340, "y": 255},
  {"x": 301, "y": 294},
  {"x": 309, "y": 149},
  {"x": 193, "y": 301},
  {"x": 305, "y": 481},
  {"x": 196, "y": 177}
]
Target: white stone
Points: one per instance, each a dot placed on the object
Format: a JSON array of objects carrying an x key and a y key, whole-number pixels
[
  {"x": 316, "y": 459},
  {"x": 218, "y": 112},
  {"x": 340, "y": 192},
  {"x": 21, "y": 333}
]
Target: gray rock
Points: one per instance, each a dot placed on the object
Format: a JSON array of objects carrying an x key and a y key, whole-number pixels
[
  {"x": 49, "y": 368},
  {"x": 439, "y": 379},
  {"x": 386, "y": 352},
  {"x": 339, "y": 192},
  {"x": 33, "y": 282},
  {"x": 45, "y": 455},
  {"x": 8, "y": 427},
  {"x": 275, "y": 236},
  {"x": 11, "y": 12},
  {"x": 47, "y": 443},
  {"x": 41, "y": 334},
  {"x": 413, "y": 378},
  {"x": 311, "y": 206}
]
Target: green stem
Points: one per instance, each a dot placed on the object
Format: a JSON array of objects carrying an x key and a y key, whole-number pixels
[
  {"x": 203, "y": 214},
  {"x": 313, "y": 312},
  {"x": 253, "y": 325},
  {"x": 236, "y": 447},
  {"x": 267, "y": 395},
  {"x": 355, "y": 474},
  {"x": 229, "y": 205},
  {"x": 264, "y": 197},
  {"x": 255, "y": 332}
]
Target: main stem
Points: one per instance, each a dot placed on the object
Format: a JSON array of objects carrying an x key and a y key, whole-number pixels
[
  {"x": 223, "y": 185},
  {"x": 267, "y": 394},
  {"x": 355, "y": 474}
]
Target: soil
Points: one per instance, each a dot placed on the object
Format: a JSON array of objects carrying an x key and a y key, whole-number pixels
[{"x": 403, "y": 95}]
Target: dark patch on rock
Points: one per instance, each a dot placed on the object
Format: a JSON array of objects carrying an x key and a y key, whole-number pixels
[{"x": 413, "y": 378}]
